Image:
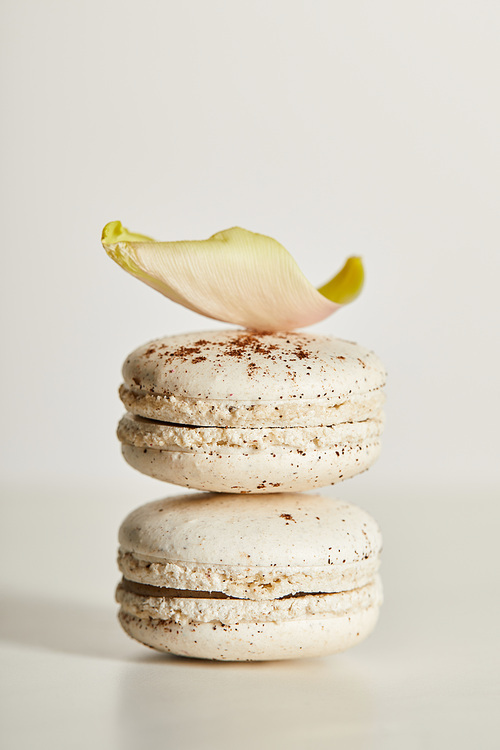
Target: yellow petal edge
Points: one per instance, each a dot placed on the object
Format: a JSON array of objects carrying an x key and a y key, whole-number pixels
[
  {"x": 236, "y": 276},
  {"x": 347, "y": 284}
]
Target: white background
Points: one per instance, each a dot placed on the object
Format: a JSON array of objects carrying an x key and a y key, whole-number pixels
[{"x": 339, "y": 128}]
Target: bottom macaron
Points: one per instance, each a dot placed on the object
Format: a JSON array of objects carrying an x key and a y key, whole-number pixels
[{"x": 271, "y": 577}]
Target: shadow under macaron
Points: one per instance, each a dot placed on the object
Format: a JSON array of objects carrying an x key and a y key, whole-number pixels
[{"x": 64, "y": 627}]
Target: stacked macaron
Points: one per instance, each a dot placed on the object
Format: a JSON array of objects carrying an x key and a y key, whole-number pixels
[
  {"x": 234, "y": 411},
  {"x": 266, "y": 575},
  {"x": 250, "y": 568}
]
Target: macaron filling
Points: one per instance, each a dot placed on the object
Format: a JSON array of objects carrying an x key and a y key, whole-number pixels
[
  {"x": 144, "y": 589},
  {"x": 294, "y": 411},
  {"x": 183, "y": 606},
  {"x": 251, "y": 582},
  {"x": 157, "y": 435}
]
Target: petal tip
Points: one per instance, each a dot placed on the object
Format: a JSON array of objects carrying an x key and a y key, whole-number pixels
[
  {"x": 111, "y": 233},
  {"x": 115, "y": 232},
  {"x": 347, "y": 284}
]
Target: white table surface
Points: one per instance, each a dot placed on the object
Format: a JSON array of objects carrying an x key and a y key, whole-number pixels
[{"x": 427, "y": 677}]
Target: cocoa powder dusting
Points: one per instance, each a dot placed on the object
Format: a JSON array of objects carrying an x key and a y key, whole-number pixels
[{"x": 244, "y": 345}]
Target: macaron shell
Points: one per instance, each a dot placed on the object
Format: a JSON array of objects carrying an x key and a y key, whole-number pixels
[
  {"x": 253, "y": 367},
  {"x": 278, "y": 531},
  {"x": 286, "y": 469},
  {"x": 290, "y": 639}
]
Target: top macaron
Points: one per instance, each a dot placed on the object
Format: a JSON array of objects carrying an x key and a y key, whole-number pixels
[{"x": 240, "y": 411}]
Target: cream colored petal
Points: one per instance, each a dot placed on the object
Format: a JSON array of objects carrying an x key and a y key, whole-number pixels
[{"x": 235, "y": 276}]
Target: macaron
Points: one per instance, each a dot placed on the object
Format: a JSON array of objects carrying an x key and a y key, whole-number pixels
[
  {"x": 240, "y": 412},
  {"x": 264, "y": 577}
]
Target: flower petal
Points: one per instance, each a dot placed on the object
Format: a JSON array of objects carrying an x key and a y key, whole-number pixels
[{"x": 235, "y": 276}]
